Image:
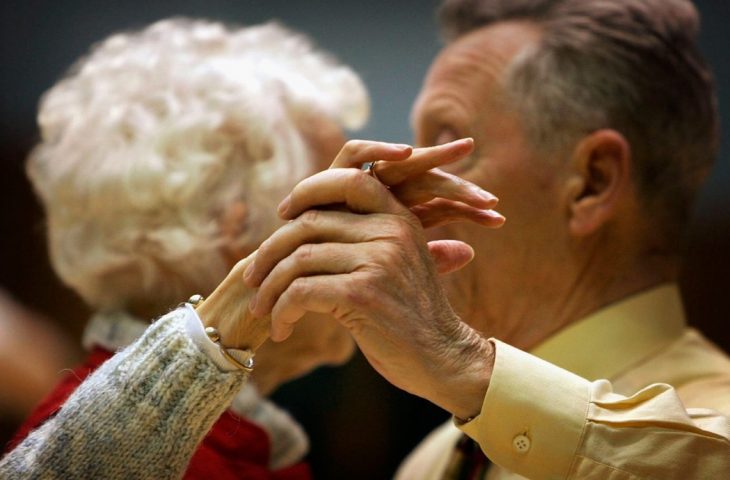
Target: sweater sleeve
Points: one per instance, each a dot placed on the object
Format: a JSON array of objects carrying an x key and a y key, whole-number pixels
[{"x": 140, "y": 415}]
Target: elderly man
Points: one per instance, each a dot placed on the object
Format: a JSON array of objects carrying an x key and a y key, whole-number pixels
[{"x": 595, "y": 123}]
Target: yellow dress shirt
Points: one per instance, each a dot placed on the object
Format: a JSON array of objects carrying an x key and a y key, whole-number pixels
[{"x": 629, "y": 392}]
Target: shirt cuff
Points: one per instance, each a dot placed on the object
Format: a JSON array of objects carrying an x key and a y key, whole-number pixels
[
  {"x": 196, "y": 331},
  {"x": 533, "y": 415}
]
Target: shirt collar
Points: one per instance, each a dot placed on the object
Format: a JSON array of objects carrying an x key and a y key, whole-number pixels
[{"x": 610, "y": 341}]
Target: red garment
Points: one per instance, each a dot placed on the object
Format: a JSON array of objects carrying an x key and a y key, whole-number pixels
[{"x": 233, "y": 449}]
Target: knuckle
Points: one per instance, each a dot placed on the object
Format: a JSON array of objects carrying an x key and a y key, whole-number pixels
[
  {"x": 309, "y": 218},
  {"x": 357, "y": 297},
  {"x": 358, "y": 180},
  {"x": 411, "y": 225},
  {"x": 297, "y": 290},
  {"x": 353, "y": 146},
  {"x": 391, "y": 254},
  {"x": 264, "y": 250},
  {"x": 402, "y": 228},
  {"x": 303, "y": 253},
  {"x": 241, "y": 265},
  {"x": 356, "y": 305},
  {"x": 351, "y": 321}
]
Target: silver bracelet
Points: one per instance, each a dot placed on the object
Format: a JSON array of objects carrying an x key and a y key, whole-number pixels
[{"x": 245, "y": 363}]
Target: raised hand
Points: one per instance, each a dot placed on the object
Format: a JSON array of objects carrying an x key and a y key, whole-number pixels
[{"x": 371, "y": 268}]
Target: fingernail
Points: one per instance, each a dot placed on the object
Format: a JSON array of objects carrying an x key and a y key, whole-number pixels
[
  {"x": 465, "y": 140},
  {"x": 402, "y": 146},
  {"x": 487, "y": 195},
  {"x": 284, "y": 205},
  {"x": 252, "y": 303},
  {"x": 494, "y": 215}
]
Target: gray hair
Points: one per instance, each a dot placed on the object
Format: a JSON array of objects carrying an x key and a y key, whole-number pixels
[
  {"x": 149, "y": 138},
  {"x": 630, "y": 65}
]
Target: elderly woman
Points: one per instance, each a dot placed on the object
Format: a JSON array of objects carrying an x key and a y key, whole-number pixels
[{"x": 164, "y": 154}]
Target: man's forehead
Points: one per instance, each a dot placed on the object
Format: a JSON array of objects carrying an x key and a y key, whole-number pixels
[
  {"x": 463, "y": 75},
  {"x": 491, "y": 47},
  {"x": 466, "y": 69}
]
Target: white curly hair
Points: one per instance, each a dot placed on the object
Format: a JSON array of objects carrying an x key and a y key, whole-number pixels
[{"x": 148, "y": 139}]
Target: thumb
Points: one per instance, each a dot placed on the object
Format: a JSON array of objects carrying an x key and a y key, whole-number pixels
[{"x": 450, "y": 255}]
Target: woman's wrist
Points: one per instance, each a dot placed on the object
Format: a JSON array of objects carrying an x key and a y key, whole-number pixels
[{"x": 226, "y": 310}]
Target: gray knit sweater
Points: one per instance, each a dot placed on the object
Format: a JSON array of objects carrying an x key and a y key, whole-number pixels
[{"x": 141, "y": 415}]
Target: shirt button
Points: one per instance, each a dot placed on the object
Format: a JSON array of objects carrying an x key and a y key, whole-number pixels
[{"x": 521, "y": 443}]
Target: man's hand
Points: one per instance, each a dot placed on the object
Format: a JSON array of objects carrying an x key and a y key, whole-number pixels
[
  {"x": 371, "y": 268},
  {"x": 433, "y": 196}
]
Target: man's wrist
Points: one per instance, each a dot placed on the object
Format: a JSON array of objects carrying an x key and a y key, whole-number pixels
[{"x": 467, "y": 386}]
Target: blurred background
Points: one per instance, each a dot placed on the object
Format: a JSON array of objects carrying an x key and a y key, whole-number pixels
[{"x": 360, "y": 426}]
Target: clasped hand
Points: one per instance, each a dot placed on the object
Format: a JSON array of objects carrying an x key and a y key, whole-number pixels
[{"x": 369, "y": 264}]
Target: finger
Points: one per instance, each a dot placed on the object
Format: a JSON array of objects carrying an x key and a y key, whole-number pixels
[
  {"x": 358, "y": 191},
  {"x": 305, "y": 261},
  {"x": 313, "y": 226},
  {"x": 397, "y": 166},
  {"x": 241, "y": 266},
  {"x": 422, "y": 160},
  {"x": 442, "y": 212},
  {"x": 450, "y": 255},
  {"x": 356, "y": 152},
  {"x": 318, "y": 294},
  {"x": 437, "y": 183}
]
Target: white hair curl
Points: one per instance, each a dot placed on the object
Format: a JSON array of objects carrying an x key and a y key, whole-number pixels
[{"x": 155, "y": 133}]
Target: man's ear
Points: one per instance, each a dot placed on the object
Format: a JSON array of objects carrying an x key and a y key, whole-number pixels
[{"x": 600, "y": 180}]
